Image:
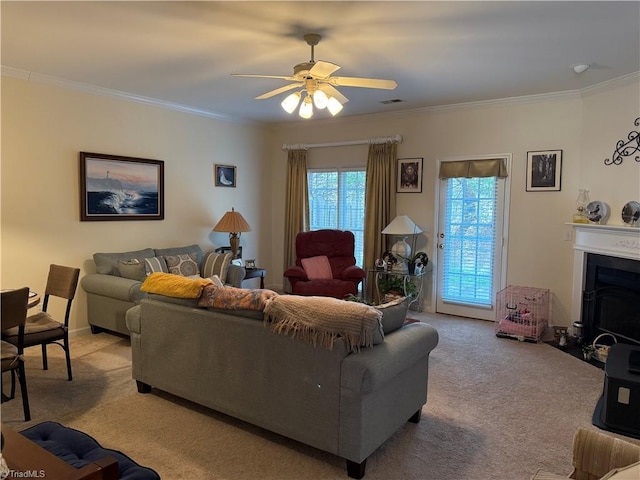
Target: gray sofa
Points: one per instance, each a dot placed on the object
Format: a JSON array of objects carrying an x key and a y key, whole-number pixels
[
  {"x": 344, "y": 403},
  {"x": 115, "y": 287}
]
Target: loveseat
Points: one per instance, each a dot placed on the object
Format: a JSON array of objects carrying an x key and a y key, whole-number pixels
[
  {"x": 115, "y": 287},
  {"x": 344, "y": 400}
]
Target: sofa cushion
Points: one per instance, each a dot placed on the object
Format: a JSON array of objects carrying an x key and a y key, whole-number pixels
[
  {"x": 155, "y": 264},
  {"x": 107, "y": 263},
  {"x": 174, "y": 285},
  {"x": 132, "y": 269},
  {"x": 317, "y": 268},
  {"x": 79, "y": 449},
  {"x": 184, "y": 264},
  {"x": 394, "y": 314},
  {"x": 216, "y": 264},
  {"x": 189, "y": 249}
]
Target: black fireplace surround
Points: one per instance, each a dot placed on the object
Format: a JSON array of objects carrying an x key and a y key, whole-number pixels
[{"x": 611, "y": 298}]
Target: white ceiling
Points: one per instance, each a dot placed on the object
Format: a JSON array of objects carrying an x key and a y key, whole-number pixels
[{"x": 439, "y": 53}]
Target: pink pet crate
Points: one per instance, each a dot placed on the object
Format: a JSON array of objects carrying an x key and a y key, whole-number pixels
[{"x": 522, "y": 313}]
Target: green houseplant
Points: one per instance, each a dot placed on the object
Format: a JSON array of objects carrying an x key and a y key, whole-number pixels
[{"x": 394, "y": 284}]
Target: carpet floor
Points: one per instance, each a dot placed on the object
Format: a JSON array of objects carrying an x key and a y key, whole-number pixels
[{"x": 497, "y": 409}]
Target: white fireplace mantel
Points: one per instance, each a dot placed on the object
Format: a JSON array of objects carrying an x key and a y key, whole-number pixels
[{"x": 612, "y": 240}]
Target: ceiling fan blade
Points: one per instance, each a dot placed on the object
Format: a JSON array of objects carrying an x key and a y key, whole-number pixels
[
  {"x": 277, "y": 91},
  {"x": 333, "y": 92},
  {"x": 323, "y": 69},
  {"x": 363, "y": 82},
  {"x": 281, "y": 77}
]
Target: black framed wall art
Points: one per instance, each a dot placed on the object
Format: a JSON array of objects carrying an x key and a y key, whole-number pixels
[
  {"x": 113, "y": 187},
  {"x": 544, "y": 171}
]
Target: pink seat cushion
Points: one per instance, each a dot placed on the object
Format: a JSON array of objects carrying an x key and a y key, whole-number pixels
[{"x": 317, "y": 268}]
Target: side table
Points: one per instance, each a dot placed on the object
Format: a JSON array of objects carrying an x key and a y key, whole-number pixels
[
  {"x": 255, "y": 273},
  {"x": 416, "y": 279}
]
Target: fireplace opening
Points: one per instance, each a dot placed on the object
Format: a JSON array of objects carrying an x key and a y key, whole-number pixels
[{"x": 611, "y": 298}]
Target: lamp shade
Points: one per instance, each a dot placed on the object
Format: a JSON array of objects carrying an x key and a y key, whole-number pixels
[
  {"x": 401, "y": 225},
  {"x": 232, "y": 222}
]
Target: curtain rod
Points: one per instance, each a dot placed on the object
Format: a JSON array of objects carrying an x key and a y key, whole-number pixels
[{"x": 371, "y": 141}]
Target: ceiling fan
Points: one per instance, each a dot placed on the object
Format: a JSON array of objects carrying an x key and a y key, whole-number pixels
[{"x": 314, "y": 79}]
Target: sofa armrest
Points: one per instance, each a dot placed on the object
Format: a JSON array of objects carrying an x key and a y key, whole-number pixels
[
  {"x": 235, "y": 275},
  {"x": 596, "y": 453},
  {"x": 296, "y": 273},
  {"x": 365, "y": 371},
  {"x": 114, "y": 287},
  {"x": 353, "y": 273}
]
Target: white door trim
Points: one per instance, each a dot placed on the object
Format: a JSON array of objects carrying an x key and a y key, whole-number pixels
[{"x": 505, "y": 220}]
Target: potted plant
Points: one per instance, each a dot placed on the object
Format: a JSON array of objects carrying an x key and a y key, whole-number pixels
[{"x": 395, "y": 285}]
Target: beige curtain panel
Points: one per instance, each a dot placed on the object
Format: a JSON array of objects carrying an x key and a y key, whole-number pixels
[
  {"x": 296, "y": 203},
  {"x": 493, "y": 167},
  {"x": 380, "y": 199}
]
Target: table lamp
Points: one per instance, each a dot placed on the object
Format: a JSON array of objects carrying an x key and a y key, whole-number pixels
[
  {"x": 402, "y": 226},
  {"x": 235, "y": 224}
]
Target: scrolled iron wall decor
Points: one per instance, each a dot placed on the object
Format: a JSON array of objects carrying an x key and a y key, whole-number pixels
[{"x": 626, "y": 149}]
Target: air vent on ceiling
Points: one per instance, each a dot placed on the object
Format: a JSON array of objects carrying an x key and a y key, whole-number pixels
[{"x": 393, "y": 100}]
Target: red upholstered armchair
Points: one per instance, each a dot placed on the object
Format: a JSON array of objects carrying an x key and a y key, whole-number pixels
[{"x": 343, "y": 277}]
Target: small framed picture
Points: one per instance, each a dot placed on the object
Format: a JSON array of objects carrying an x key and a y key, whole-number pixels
[
  {"x": 409, "y": 175},
  {"x": 225, "y": 175},
  {"x": 250, "y": 263},
  {"x": 544, "y": 171}
]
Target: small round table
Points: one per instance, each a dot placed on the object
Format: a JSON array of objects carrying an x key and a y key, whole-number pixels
[{"x": 34, "y": 299}]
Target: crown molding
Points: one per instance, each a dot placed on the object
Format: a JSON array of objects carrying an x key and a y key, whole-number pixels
[
  {"x": 107, "y": 92},
  {"x": 610, "y": 84},
  {"x": 82, "y": 87}
]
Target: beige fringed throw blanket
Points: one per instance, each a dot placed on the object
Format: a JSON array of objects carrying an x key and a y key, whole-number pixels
[{"x": 321, "y": 320}]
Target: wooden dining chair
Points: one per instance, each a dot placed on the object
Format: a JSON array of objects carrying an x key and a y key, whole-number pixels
[
  {"x": 41, "y": 328},
  {"x": 13, "y": 305}
]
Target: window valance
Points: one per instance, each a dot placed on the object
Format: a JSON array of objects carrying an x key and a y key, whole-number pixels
[{"x": 491, "y": 167}]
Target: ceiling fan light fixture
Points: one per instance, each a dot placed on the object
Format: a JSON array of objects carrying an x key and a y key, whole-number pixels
[
  {"x": 320, "y": 99},
  {"x": 290, "y": 103},
  {"x": 334, "y": 106},
  {"x": 306, "y": 108}
]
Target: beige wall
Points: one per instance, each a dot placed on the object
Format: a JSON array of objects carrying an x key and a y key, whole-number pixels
[
  {"x": 43, "y": 129},
  {"x": 584, "y": 127}
]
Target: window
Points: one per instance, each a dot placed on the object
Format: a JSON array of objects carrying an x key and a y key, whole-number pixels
[
  {"x": 470, "y": 234},
  {"x": 336, "y": 200}
]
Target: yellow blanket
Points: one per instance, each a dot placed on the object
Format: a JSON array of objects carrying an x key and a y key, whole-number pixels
[{"x": 174, "y": 285}]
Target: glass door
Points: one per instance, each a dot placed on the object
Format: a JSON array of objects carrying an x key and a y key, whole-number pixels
[{"x": 471, "y": 250}]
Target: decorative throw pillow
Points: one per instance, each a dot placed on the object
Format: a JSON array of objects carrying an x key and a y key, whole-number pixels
[
  {"x": 185, "y": 265},
  {"x": 132, "y": 269},
  {"x": 155, "y": 264},
  {"x": 216, "y": 264},
  {"x": 394, "y": 314},
  {"x": 317, "y": 268}
]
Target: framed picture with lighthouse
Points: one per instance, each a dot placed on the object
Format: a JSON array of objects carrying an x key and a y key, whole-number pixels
[
  {"x": 225, "y": 175},
  {"x": 114, "y": 187}
]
